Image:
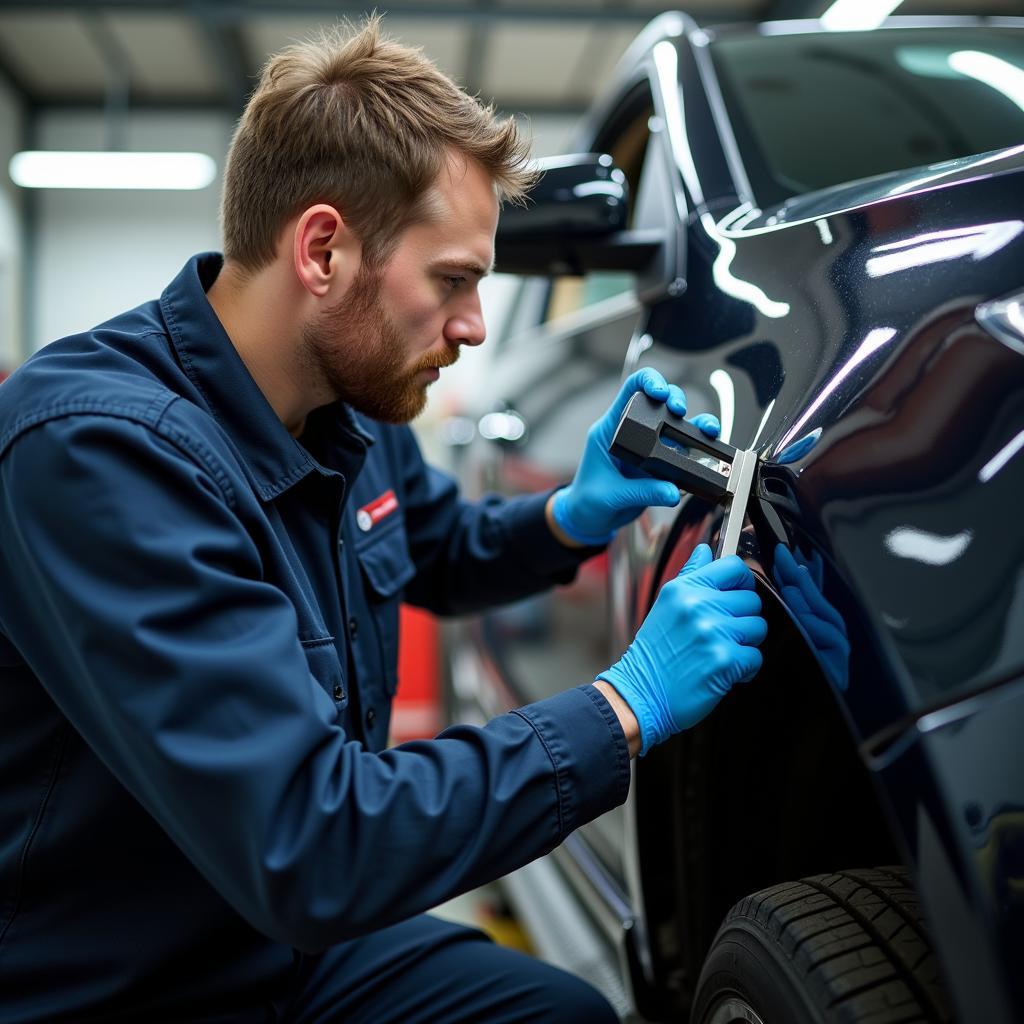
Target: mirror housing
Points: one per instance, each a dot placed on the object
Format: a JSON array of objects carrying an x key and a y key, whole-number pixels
[{"x": 574, "y": 222}]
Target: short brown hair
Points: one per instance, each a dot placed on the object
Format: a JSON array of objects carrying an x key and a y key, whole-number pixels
[{"x": 356, "y": 120}]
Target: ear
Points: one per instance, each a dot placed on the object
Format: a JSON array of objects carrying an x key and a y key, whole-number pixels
[{"x": 325, "y": 253}]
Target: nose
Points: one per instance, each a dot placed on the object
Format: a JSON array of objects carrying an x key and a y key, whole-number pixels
[{"x": 467, "y": 326}]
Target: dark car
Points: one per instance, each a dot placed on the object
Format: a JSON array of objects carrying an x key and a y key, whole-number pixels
[{"x": 820, "y": 236}]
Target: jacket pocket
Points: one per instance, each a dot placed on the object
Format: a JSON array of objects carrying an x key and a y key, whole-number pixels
[
  {"x": 387, "y": 567},
  {"x": 325, "y": 666}
]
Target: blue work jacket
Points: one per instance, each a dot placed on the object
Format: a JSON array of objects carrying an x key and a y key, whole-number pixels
[{"x": 198, "y": 633}]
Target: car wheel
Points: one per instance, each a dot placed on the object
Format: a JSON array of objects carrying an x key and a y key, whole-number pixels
[{"x": 849, "y": 947}]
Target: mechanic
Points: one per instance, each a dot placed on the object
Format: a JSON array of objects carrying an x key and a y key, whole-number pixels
[{"x": 211, "y": 508}]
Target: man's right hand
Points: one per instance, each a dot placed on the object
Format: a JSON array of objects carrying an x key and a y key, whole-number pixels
[{"x": 699, "y": 639}]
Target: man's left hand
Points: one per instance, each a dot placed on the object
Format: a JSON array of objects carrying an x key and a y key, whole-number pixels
[{"x": 605, "y": 493}]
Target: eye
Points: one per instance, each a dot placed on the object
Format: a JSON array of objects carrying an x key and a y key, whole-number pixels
[{"x": 453, "y": 282}]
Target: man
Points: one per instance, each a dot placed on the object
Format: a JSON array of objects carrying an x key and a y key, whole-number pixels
[{"x": 211, "y": 509}]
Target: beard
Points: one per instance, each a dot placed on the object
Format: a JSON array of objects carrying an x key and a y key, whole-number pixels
[{"x": 359, "y": 352}]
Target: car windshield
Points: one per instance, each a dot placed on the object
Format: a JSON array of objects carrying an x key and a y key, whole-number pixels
[{"x": 814, "y": 110}]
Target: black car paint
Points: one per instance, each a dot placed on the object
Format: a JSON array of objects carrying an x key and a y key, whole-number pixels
[
  {"x": 907, "y": 422},
  {"x": 904, "y": 436},
  {"x": 906, "y": 401}
]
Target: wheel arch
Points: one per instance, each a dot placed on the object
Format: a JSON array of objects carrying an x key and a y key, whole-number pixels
[{"x": 768, "y": 789}]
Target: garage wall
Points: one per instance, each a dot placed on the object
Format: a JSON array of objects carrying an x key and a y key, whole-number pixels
[
  {"x": 11, "y": 238},
  {"x": 98, "y": 253}
]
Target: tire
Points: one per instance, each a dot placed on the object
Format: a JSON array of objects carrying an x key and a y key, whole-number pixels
[{"x": 846, "y": 948}]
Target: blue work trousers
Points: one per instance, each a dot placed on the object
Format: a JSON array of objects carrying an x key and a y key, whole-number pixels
[{"x": 428, "y": 971}]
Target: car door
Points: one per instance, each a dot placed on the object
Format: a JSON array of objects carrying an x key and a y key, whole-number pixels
[{"x": 855, "y": 371}]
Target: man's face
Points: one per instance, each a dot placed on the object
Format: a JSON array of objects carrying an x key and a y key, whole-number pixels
[{"x": 381, "y": 347}]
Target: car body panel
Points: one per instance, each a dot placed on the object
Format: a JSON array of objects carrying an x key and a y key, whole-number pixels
[
  {"x": 836, "y": 334},
  {"x": 965, "y": 830},
  {"x": 913, "y": 407}
]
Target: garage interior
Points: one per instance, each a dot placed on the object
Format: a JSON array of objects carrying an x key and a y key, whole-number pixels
[{"x": 174, "y": 75}]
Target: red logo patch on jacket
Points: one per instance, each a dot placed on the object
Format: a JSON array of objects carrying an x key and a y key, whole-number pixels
[{"x": 369, "y": 515}]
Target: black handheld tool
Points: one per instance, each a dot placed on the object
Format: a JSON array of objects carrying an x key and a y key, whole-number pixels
[{"x": 668, "y": 447}]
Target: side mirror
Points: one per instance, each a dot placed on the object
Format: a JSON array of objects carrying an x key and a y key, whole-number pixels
[{"x": 574, "y": 222}]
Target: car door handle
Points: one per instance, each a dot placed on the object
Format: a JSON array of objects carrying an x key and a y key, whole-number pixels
[{"x": 504, "y": 427}]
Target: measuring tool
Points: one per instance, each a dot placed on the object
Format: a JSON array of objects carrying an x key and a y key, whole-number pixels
[{"x": 668, "y": 447}]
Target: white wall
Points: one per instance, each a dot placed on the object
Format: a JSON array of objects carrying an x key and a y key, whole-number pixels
[
  {"x": 99, "y": 253},
  {"x": 11, "y": 238}
]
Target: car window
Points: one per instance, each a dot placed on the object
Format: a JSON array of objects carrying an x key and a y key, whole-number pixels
[
  {"x": 570, "y": 294},
  {"x": 527, "y": 304},
  {"x": 812, "y": 110}
]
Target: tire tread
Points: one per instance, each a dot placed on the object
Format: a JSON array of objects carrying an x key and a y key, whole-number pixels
[{"x": 858, "y": 941}]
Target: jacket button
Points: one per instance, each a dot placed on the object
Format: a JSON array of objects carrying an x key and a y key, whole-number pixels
[
  {"x": 371, "y": 717},
  {"x": 353, "y": 628},
  {"x": 339, "y": 692}
]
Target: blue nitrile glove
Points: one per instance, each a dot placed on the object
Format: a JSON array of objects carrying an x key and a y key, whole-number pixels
[
  {"x": 800, "y": 582},
  {"x": 696, "y": 642},
  {"x": 605, "y": 493}
]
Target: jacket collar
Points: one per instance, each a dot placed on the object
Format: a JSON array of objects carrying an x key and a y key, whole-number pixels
[{"x": 275, "y": 460}]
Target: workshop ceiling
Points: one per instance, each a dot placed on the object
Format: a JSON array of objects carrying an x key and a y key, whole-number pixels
[{"x": 525, "y": 55}]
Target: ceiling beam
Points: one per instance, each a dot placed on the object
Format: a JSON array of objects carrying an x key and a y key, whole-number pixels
[
  {"x": 535, "y": 108},
  {"x": 224, "y": 41},
  {"x": 594, "y": 52},
  {"x": 783, "y": 10},
  {"x": 140, "y": 104},
  {"x": 220, "y": 24},
  {"x": 15, "y": 83},
  {"x": 476, "y": 50},
  {"x": 96, "y": 104},
  {"x": 239, "y": 10},
  {"x": 117, "y": 64}
]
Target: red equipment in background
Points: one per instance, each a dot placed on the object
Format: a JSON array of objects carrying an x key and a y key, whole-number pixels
[{"x": 416, "y": 710}]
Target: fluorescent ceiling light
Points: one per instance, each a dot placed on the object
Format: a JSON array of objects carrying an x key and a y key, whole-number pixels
[
  {"x": 850, "y": 15},
  {"x": 1003, "y": 76},
  {"x": 53, "y": 169}
]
